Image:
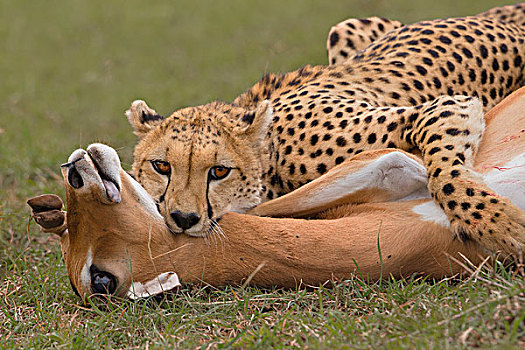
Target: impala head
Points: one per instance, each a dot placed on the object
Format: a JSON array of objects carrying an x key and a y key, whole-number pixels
[
  {"x": 201, "y": 162},
  {"x": 109, "y": 248}
]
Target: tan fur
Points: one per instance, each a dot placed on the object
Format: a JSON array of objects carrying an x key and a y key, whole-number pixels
[
  {"x": 421, "y": 88},
  {"x": 133, "y": 244},
  {"x": 351, "y": 36},
  {"x": 129, "y": 243}
]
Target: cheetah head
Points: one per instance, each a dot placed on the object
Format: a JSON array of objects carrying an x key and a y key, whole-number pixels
[{"x": 200, "y": 162}]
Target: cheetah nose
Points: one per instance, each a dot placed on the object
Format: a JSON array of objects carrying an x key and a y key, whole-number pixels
[{"x": 185, "y": 220}]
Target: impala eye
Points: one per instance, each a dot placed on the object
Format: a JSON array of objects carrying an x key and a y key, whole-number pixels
[
  {"x": 219, "y": 172},
  {"x": 161, "y": 167}
]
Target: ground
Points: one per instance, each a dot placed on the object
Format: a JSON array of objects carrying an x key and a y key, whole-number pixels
[{"x": 69, "y": 70}]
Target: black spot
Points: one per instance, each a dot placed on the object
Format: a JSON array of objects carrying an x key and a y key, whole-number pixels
[
  {"x": 418, "y": 85},
  {"x": 466, "y": 52},
  {"x": 453, "y": 131},
  {"x": 437, "y": 83},
  {"x": 433, "y": 53},
  {"x": 341, "y": 141},
  {"x": 448, "y": 189},
  {"x": 465, "y": 205},
  {"x": 469, "y": 192},
  {"x": 149, "y": 117},
  {"x": 357, "y": 137},
  {"x": 444, "y": 39},
  {"x": 472, "y": 74},
  {"x": 421, "y": 70},
  {"x": 434, "y": 137},
  {"x": 339, "y": 160},
  {"x": 434, "y": 151},
  {"x": 314, "y": 139},
  {"x": 392, "y": 126},
  {"x": 321, "y": 168},
  {"x": 457, "y": 57},
  {"x": 484, "y": 51},
  {"x": 495, "y": 64},
  {"x": 372, "y": 138},
  {"x": 431, "y": 121},
  {"x": 476, "y": 215},
  {"x": 454, "y": 173},
  {"x": 452, "y": 204},
  {"x": 327, "y": 110},
  {"x": 517, "y": 61}
]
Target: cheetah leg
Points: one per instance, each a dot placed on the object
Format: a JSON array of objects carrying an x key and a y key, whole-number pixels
[
  {"x": 353, "y": 35},
  {"x": 372, "y": 176},
  {"x": 448, "y": 132}
]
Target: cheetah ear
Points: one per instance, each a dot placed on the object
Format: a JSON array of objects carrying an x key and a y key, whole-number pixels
[
  {"x": 254, "y": 124},
  {"x": 142, "y": 118}
]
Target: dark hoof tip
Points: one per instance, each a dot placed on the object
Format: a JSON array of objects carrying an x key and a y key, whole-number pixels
[{"x": 45, "y": 202}]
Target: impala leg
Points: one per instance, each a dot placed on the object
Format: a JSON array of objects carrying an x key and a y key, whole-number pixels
[{"x": 373, "y": 176}]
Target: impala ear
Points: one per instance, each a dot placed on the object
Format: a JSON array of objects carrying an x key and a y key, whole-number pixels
[
  {"x": 142, "y": 118},
  {"x": 254, "y": 125}
]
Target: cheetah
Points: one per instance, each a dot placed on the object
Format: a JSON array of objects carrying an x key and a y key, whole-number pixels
[{"x": 421, "y": 88}]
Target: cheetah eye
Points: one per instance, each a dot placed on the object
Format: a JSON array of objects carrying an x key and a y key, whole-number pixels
[
  {"x": 161, "y": 167},
  {"x": 219, "y": 172}
]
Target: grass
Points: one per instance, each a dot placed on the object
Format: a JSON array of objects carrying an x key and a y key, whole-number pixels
[{"x": 69, "y": 69}]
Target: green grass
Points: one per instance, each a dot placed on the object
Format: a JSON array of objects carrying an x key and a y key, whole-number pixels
[{"x": 68, "y": 71}]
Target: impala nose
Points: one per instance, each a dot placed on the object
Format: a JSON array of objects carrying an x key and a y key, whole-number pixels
[{"x": 185, "y": 220}]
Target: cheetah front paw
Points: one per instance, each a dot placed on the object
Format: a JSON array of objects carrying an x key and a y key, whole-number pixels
[{"x": 493, "y": 221}]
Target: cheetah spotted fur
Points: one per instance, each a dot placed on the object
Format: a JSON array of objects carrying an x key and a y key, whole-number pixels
[{"x": 422, "y": 88}]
